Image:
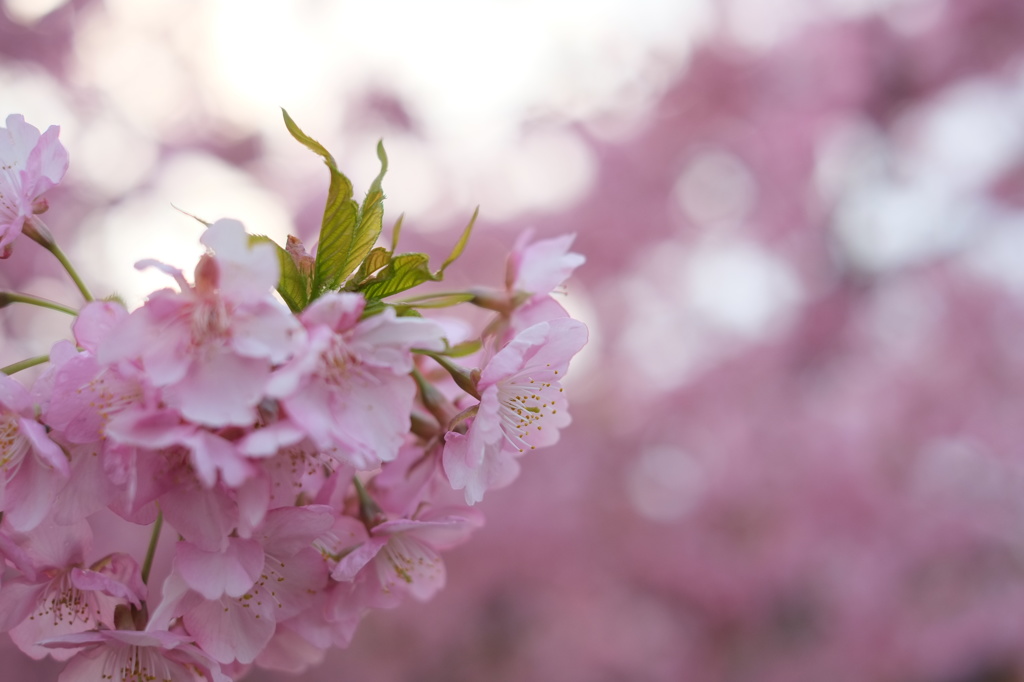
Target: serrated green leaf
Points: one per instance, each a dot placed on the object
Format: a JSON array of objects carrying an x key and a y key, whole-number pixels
[
  {"x": 459, "y": 245},
  {"x": 337, "y": 242},
  {"x": 370, "y": 219},
  {"x": 374, "y": 261},
  {"x": 293, "y": 285},
  {"x": 404, "y": 272}
]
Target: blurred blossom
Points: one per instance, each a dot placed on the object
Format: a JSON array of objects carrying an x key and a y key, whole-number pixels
[{"x": 665, "y": 483}]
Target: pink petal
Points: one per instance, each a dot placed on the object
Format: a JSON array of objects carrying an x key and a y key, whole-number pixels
[{"x": 232, "y": 571}]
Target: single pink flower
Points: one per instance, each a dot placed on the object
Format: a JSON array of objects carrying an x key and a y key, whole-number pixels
[
  {"x": 210, "y": 347},
  {"x": 230, "y": 601},
  {"x": 402, "y": 556},
  {"x": 522, "y": 407},
  {"x": 130, "y": 655},
  {"x": 61, "y": 595},
  {"x": 30, "y": 165},
  {"x": 33, "y": 468},
  {"x": 349, "y": 389},
  {"x": 535, "y": 269}
]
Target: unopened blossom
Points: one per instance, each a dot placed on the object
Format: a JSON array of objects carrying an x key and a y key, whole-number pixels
[
  {"x": 30, "y": 164},
  {"x": 522, "y": 407}
]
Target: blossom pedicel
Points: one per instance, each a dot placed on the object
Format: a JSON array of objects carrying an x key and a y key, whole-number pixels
[{"x": 286, "y": 415}]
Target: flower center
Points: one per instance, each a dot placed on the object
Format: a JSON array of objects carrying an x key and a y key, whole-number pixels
[
  {"x": 525, "y": 402},
  {"x": 13, "y": 444}
]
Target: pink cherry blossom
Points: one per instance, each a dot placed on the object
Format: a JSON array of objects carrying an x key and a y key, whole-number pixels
[
  {"x": 30, "y": 165},
  {"x": 210, "y": 347},
  {"x": 402, "y": 555},
  {"x": 61, "y": 595},
  {"x": 129, "y": 655},
  {"x": 522, "y": 407},
  {"x": 32, "y": 467},
  {"x": 349, "y": 389},
  {"x": 536, "y": 268},
  {"x": 230, "y": 600}
]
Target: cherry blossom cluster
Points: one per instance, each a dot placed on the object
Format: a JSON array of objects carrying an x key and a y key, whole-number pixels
[{"x": 309, "y": 442}]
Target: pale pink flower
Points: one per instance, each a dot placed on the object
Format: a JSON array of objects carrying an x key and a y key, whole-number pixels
[
  {"x": 210, "y": 347},
  {"x": 522, "y": 407},
  {"x": 349, "y": 389},
  {"x": 402, "y": 556},
  {"x": 230, "y": 600},
  {"x": 32, "y": 467},
  {"x": 131, "y": 655},
  {"x": 61, "y": 595},
  {"x": 30, "y": 165},
  {"x": 412, "y": 478},
  {"x": 535, "y": 269}
]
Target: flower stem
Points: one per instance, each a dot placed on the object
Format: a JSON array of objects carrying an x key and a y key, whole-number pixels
[
  {"x": 55, "y": 250},
  {"x": 24, "y": 364},
  {"x": 37, "y": 231},
  {"x": 8, "y": 297},
  {"x": 466, "y": 379},
  {"x": 151, "y": 550}
]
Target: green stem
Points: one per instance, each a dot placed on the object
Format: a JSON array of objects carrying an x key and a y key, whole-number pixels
[
  {"x": 151, "y": 550},
  {"x": 55, "y": 250},
  {"x": 24, "y": 364},
  {"x": 36, "y": 230},
  {"x": 466, "y": 379},
  {"x": 7, "y": 297}
]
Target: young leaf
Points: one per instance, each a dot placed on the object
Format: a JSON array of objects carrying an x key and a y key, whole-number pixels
[
  {"x": 444, "y": 300},
  {"x": 396, "y": 231},
  {"x": 293, "y": 285},
  {"x": 374, "y": 261},
  {"x": 337, "y": 231},
  {"x": 460, "y": 245},
  {"x": 403, "y": 272},
  {"x": 370, "y": 221}
]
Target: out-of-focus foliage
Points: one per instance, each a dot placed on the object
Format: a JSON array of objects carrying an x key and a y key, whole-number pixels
[{"x": 798, "y": 452}]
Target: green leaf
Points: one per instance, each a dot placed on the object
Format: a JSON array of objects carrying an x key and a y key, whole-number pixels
[
  {"x": 459, "y": 245},
  {"x": 445, "y": 300},
  {"x": 403, "y": 272},
  {"x": 338, "y": 242},
  {"x": 463, "y": 349},
  {"x": 371, "y": 219},
  {"x": 396, "y": 231},
  {"x": 293, "y": 285},
  {"x": 374, "y": 261}
]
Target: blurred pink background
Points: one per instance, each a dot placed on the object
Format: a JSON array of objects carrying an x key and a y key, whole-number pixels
[{"x": 798, "y": 440}]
